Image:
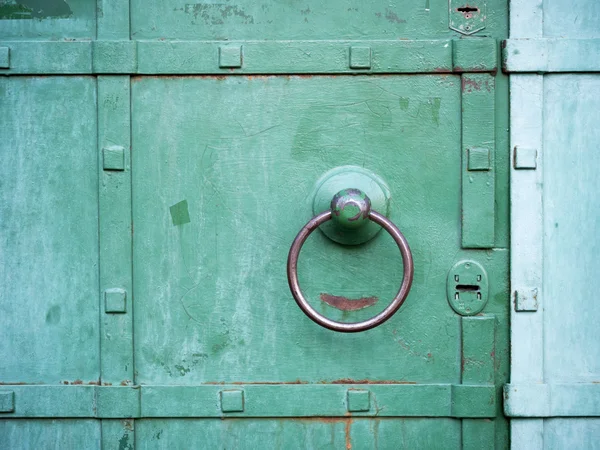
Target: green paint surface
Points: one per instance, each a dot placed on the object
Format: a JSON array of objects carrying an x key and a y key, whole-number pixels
[{"x": 208, "y": 302}]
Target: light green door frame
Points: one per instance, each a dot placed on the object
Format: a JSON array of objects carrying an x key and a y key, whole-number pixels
[{"x": 553, "y": 57}]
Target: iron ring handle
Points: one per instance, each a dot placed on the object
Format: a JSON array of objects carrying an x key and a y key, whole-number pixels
[{"x": 353, "y": 327}]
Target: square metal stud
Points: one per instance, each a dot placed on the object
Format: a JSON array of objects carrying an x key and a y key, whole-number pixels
[
  {"x": 479, "y": 159},
  {"x": 360, "y": 57},
  {"x": 230, "y": 56},
  {"x": 115, "y": 301},
  {"x": 525, "y": 158},
  {"x": 359, "y": 400},
  {"x": 526, "y": 299},
  {"x": 232, "y": 401},
  {"x": 4, "y": 58},
  {"x": 113, "y": 158},
  {"x": 7, "y": 401}
]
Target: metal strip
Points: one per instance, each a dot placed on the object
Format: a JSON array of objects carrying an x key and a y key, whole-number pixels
[
  {"x": 478, "y": 171},
  {"x": 474, "y": 55},
  {"x": 552, "y": 400},
  {"x": 114, "y": 53},
  {"x": 298, "y": 400},
  {"x": 478, "y": 368},
  {"x": 48, "y": 57},
  {"x": 107, "y": 56},
  {"x": 116, "y": 324},
  {"x": 551, "y": 55},
  {"x": 526, "y": 123}
]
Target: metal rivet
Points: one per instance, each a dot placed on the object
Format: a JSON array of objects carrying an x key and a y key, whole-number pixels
[
  {"x": 113, "y": 158},
  {"x": 232, "y": 401},
  {"x": 525, "y": 158},
  {"x": 230, "y": 56},
  {"x": 478, "y": 159},
  {"x": 4, "y": 58},
  {"x": 360, "y": 57},
  {"x": 358, "y": 400},
  {"x": 526, "y": 299},
  {"x": 115, "y": 301},
  {"x": 7, "y": 401}
]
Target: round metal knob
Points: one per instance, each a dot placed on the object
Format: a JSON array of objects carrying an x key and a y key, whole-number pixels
[{"x": 349, "y": 207}]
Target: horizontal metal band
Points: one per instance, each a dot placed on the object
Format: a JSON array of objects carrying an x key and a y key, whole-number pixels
[
  {"x": 281, "y": 400},
  {"x": 552, "y": 400},
  {"x": 248, "y": 57},
  {"x": 551, "y": 55}
]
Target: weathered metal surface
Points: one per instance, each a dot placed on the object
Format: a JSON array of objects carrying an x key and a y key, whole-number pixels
[
  {"x": 154, "y": 190},
  {"x": 49, "y": 230},
  {"x": 261, "y": 399},
  {"x": 545, "y": 55},
  {"x": 478, "y": 186},
  {"x": 254, "y": 57},
  {"x": 552, "y": 400}
]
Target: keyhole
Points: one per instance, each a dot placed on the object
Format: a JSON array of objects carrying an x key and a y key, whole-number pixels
[{"x": 467, "y": 11}]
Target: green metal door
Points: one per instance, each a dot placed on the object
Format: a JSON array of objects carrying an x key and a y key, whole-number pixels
[{"x": 160, "y": 159}]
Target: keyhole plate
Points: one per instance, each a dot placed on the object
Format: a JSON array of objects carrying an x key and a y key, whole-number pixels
[
  {"x": 467, "y": 17},
  {"x": 467, "y": 288}
]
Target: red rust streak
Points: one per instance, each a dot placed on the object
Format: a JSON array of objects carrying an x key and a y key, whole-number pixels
[
  {"x": 469, "y": 85},
  {"x": 346, "y": 304},
  {"x": 365, "y": 381}
]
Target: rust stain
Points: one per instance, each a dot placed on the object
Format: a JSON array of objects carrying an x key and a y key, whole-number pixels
[
  {"x": 220, "y": 383},
  {"x": 347, "y": 434},
  {"x": 469, "y": 85},
  {"x": 346, "y": 304},
  {"x": 365, "y": 381},
  {"x": 77, "y": 382}
]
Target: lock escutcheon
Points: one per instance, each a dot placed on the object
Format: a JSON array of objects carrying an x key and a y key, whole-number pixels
[{"x": 467, "y": 288}]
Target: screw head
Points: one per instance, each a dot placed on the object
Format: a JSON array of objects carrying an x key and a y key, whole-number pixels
[{"x": 350, "y": 208}]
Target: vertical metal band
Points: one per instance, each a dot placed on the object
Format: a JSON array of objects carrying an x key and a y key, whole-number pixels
[
  {"x": 114, "y": 145},
  {"x": 477, "y": 368},
  {"x": 478, "y": 150},
  {"x": 526, "y": 127}
]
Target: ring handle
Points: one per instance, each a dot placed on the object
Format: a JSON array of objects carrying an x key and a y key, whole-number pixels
[{"x": 348, "y": 207}]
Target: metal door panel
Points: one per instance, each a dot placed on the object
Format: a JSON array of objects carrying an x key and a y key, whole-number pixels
[
  {"x": 49, "y": 223},
  {"x": 245, "y": 153},
  {"x": 50, "y": 434},
  {"x": 343, "y": 433}
]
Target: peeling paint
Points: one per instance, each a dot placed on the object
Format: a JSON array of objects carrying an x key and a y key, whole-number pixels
[
  {"x": 392, "y": 17},
  {"x": 34, "y": 9},
  {"x": 217, "y": 13}
]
